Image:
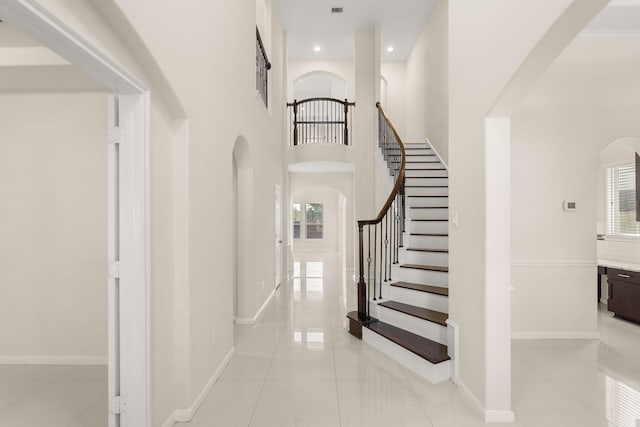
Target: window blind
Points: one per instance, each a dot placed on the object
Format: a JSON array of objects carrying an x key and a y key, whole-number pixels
[{"x": 621, "y": 201}]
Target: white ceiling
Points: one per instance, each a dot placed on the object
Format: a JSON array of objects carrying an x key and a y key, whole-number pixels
[{"x": 310, "y": 22}]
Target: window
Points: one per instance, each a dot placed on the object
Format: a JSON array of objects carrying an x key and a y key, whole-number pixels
[
  {"x": 296, "y": 220},
  {"x": 621, "y": 201},
  {"x": 314, "y": 220}
]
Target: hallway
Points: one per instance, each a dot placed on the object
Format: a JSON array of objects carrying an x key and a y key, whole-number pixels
[{"x": 299, "y": 367}]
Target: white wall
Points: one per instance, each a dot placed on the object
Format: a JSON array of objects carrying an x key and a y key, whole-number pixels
[
  {"x": 53, "y": 166},
  {"x": 342, "y": 69},
  {"x": 484, "y": 58},
  {"x": 427, "y": 83},
  {"x": 192, "y": 141},
  {"x": 555, "y": 157},
  {"x": 395, "y": 103}
]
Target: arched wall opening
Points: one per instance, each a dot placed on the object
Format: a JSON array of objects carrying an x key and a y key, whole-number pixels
[
  {"x": 243, "y": 207},
  {"x": 319, "y": 84},
  {"x": 335, "y": 190},
  {"x": 616, "y": 206}
]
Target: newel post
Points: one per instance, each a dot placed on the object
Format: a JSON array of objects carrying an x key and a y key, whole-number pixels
[
  {"x": 295, "y": 122},
  {"x": 362, "y": 286}
]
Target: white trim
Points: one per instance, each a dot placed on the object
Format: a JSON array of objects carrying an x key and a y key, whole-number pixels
[
  {"x": 39, "y": 23},
  {"x": 53, "y": 360},
  {"x": 254, "y": 319},
  {"x": 186, "y": 415},
  {"x": 437, "y": 154},
  {"x": 553, "y": 263},
  {"x": 493, "y": 416},
  {"x": 471, "y": 398},
  {"x": 489, "y": 415},
  {"x": 554, "y": 335},
  {"x": 608, "y": 36}
]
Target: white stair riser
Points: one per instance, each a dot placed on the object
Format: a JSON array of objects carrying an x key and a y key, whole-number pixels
[
  {"x": 426, "y": 191},
  {"x": 426, "y": 181},
  {"x": 427, "y": 242},
  {"x": 424, "y": 328},
  {"x": 418, "y": 150},
  {"x": 427, "y": 226},
  {"x": 423, "y": 165},
  {"x": 425, "y": 258},
  {"x": 437, "y": 173},
  {"x": 433, "y": 373},
  {"x": 425, "y": 277},
  {"x": 416, "y": 157},
  {"x": 427, "y": 201},
  {"x": 436, "y": 213},
  {"x": 417, "y": 298}
]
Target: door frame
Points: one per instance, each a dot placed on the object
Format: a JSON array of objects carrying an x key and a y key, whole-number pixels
[
  {"x": 133, "y": 199},
  {"x": 278, "y": 237}
]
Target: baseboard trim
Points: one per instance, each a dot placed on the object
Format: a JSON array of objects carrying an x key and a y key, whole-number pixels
[
  {"x": 555, "y": 335},
  {"x": 186, "y": 415},
  {"x": 554, "y": 263},
  {"x": 489, "y": 415},
  {"x": 53, "y": 360},
  {"x": 254, "y": 319}
]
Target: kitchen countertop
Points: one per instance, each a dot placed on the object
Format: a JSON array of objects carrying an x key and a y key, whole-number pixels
[{"x": 619, "y": 264}]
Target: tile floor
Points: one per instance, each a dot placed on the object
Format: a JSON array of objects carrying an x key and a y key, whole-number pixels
[
  {"x": 299, "y": 367},
  {"x": 53, "y": 396}
]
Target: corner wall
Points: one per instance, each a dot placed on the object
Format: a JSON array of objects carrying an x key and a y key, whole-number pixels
[{"x": 427, "y": 83}]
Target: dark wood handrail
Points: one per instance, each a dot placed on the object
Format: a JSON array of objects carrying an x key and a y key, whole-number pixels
[
  {"x": 391, "y": 220},
  {"x": 345, "y": 102},
  {"x": 264, "y": 52},
  {"x": 399, "y": 178}
]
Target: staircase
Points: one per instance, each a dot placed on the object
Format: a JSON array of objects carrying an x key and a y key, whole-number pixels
[{"x": 409, "y": 322}]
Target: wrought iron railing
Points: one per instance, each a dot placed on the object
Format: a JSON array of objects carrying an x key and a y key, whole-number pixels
[
  {"x": 262, "y": 69},
  {"x": 320, "y": 120},
  {"x": 379, "y": 239}
]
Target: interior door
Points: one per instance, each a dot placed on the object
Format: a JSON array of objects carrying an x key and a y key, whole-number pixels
[
  {"x": 113, "y": 255},
  {"x": 278, "y": 236}
]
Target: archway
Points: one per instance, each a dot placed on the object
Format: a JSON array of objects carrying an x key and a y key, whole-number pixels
[{"x": 319, "y": 84}]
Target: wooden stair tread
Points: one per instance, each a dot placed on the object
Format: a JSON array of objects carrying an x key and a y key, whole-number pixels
[
  {"x": 437, "y": 290},
  {"x": 427, "y": 196},
  {"x": 429, "y": 234},
  {"x": 446, "y": 251},
  {"x": 426, "y": 267},
  {"x": 425, "y": 348},
  {"x": 429, "y": 207},
  {"x": 423, "y": 220},
  {"x": 425, "y": 186},
  {"x": 419, "y": 312}
]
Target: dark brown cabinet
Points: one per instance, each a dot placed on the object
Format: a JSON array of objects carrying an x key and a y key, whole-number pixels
[{"x": 624, "y": 293}]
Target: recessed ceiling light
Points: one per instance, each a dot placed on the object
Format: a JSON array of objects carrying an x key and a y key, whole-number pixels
[
  {"x": 316, "y": 48},
  {"x": 390, "y": 49}
]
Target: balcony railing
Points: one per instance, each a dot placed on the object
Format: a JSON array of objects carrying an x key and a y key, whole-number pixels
[
  {"x": 262, "y": 69},
  {"x": 320, "y": 121}
]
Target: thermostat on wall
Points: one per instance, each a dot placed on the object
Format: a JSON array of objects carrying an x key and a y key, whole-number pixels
[{"x": 569, "y": 206}]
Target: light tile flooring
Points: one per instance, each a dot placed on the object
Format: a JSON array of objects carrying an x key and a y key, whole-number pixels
[
  {"x": 299, "y": 367},
  {"x": 53, "y": 396}
]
